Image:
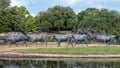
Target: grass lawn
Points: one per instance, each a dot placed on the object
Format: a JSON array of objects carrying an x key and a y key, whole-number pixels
[{"x": 91, "y": 50}]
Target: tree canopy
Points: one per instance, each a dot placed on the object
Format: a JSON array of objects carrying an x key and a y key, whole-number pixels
[
  {"x": 56, "y": 18},
  {"x": 4, "y": 4},
  {"x": 16, "y": 19},
  {"x": 100, "y": 20}
]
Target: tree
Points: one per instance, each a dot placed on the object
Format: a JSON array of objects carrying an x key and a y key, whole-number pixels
[
  {"x": 16, "y": 19},
  {"x": 56, "y": 18},
  {"x": 100, "y": 20},
  {"x": 4, "y": 4},
  {"x": 87, "y": 18},
  {"x": 30, "y": 24}
]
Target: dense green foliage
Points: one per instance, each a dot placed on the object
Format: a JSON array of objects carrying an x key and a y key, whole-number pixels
[
  {"x": 4, "y": 4},
  {"x": 15, "y": 19},
  {"x": 100, "y": 20},
  {"x": 58, "y": 18},
  {"x": 78, "y": 51}
]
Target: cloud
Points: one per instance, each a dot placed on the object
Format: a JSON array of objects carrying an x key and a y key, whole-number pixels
[
  {"x": 67, "y": 2},
  {"x": 18, "y": 2},
  {"x": 24, "y": 3},
  {"x": 86, "y": 3},
  {"x": 71, "y": 2},
  {"x": 35, "y": 6}
]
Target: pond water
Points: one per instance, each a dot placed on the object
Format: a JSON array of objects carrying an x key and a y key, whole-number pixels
[{"x": 58, "y": 64}]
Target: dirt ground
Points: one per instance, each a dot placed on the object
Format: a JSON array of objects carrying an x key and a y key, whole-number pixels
[{"x": 4, "y": 48}]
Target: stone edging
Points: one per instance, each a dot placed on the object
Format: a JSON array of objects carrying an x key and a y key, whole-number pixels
[{"x": 37, "y": 56}]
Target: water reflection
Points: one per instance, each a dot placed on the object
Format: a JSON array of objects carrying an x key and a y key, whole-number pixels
[{"x": 57, "y": 64}]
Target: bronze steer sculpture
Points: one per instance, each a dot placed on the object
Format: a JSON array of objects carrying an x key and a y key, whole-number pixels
[
  {"x": 38, "y": 37},
  {"x": 60, "y": 38},
  {"x": 16, "y": 38},
  {"x": 80, "y": 37}
]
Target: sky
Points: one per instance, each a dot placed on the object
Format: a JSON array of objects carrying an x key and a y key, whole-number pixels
[{"x": 36, "y": 6}]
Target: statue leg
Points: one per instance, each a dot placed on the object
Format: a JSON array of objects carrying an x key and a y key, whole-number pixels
[{"x": 59, "y": 43}]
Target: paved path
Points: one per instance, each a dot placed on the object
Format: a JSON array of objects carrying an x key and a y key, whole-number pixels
[{"x": 7, "y": 48}]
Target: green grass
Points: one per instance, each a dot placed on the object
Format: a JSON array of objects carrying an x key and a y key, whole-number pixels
[{"x": 76, "y": 51}]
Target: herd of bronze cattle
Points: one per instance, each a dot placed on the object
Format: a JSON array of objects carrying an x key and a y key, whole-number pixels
[{"x": 71, "y": 38}]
